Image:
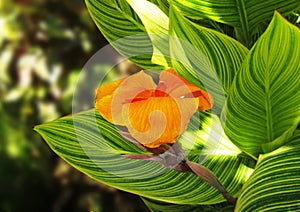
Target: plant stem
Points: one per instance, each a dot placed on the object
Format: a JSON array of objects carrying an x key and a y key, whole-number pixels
[{"x": 209, "y": 177}]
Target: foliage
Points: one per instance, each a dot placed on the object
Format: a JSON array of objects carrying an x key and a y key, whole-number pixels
[
  {"x": 101, "y": 153},
  {"x": 249, "y": 136}
]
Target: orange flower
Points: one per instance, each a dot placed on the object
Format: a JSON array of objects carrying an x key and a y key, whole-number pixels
[{"x": 153, "y": 114}]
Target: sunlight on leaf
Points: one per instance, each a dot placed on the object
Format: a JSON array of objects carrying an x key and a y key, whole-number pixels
[
  {"x": 156, "y": 23},
  {"x": 204, "y": 56},
  {"x": 93, "y": 146},
  {"x": 245, "y": 16}
]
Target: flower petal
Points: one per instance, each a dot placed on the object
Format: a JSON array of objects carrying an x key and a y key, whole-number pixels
[
  {"x": 112, "y": 96},
  {"x": 104, "y": 106},
  {"x": 206, "y": 101},
  {"x": 135, "y": 86},
  {"x": 180, "y": 88},
  {"x": 158, "y": 120},
  {"x": 108, "y": 89},
  {"x": 104, "y": 97},
  {"x": 176, "y": 85}
]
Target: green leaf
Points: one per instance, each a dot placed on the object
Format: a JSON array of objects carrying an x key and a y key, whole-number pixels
[
  {"x": 275, "y": 183},
  {"x": 92, "y": 145},
  {"x": 156, "y": 23},
  {"x": 242, "y": 14},
  {"x": 264, "y": 99},
  {"x": 166, "y": 207},
  {"x": 204, "y": 56},
  {"x": 122, "y": 27}
]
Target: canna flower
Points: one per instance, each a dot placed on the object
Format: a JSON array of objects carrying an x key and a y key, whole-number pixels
[{"x": 154, "y": 114}]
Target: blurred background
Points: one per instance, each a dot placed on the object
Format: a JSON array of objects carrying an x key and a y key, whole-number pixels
[{"x": 43, "y": 46}]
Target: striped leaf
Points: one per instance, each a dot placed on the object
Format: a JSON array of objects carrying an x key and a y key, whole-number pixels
[
  {"x": 244, "y": 15},
  {"x": 156, "y": 24},
  {"x": 122, "y": 27},
  {"x": 275, "y": 183},
  {"x": 204, "y": 56},
  {"x": 166, "y": 207},
  {"x": 263, "y": 105},
  {"x": 92, "y": 145}
]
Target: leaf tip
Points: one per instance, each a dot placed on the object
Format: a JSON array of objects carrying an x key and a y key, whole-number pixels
[
  {"x": 38, "y": 128},
  {"x": 279, "y": 17}
]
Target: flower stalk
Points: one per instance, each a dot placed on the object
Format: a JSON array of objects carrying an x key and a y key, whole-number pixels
[{"x": 175, "y": 158}]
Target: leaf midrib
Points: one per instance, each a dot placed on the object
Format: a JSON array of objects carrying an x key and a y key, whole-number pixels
[{"x": 268, "y": 106}]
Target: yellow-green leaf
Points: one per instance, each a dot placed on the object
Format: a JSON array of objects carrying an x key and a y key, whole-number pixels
[
  {"x": 275, "y": 183},
  {"x": 264, "y": 100}
]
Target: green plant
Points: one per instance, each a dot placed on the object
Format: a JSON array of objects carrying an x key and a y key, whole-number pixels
[{"x": 246, "y": 56}]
